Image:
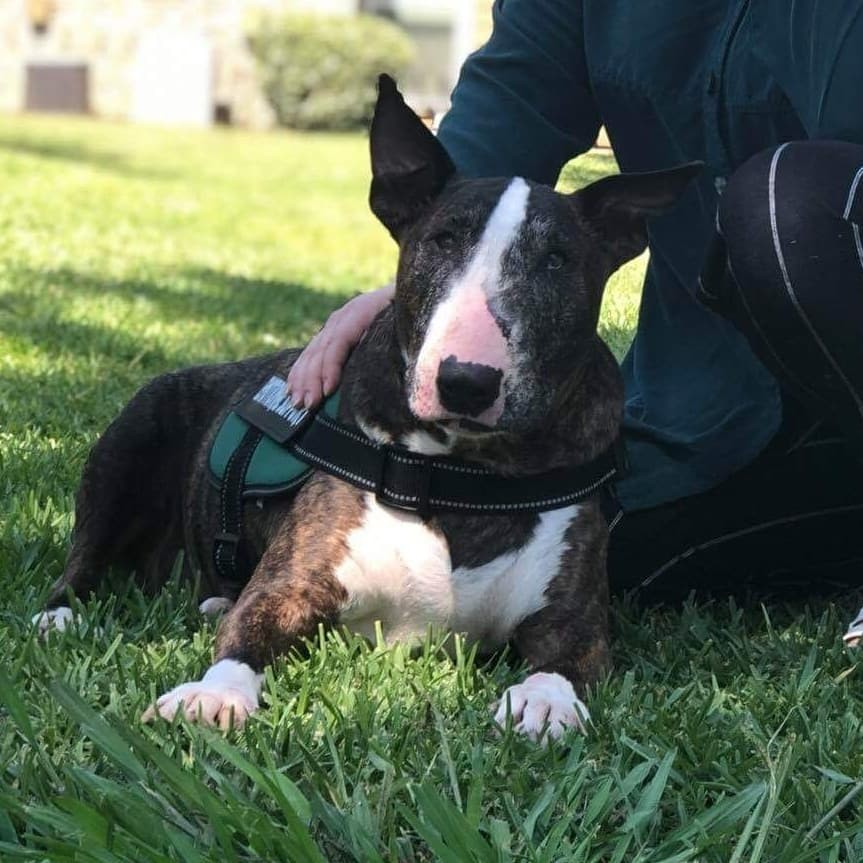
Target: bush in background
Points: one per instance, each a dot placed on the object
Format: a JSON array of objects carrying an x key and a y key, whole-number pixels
[{"x": 320, "y": 72}]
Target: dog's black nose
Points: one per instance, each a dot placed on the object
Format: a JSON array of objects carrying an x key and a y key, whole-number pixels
[{"x": 467, "y": 388}]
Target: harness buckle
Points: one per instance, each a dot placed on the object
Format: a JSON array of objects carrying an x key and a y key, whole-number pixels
[{"x": 410, "y": 496}]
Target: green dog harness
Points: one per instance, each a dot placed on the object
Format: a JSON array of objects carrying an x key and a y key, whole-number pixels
[
  {"x": 266, "y": 446},
  {"x": 272, "y": 469}
]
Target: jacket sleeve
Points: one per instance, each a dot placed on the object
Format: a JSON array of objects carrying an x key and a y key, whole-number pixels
[
  {"x": 522, "y": 105},
  {"x": 823, "y": 61}
]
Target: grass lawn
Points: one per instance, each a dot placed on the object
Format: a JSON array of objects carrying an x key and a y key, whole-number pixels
[{"x": 726, "y": 733}]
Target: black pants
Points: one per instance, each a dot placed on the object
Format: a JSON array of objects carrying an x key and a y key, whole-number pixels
[{"x": 786, "y": 267}]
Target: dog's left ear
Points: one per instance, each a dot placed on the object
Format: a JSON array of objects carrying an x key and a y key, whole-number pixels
[
  {"x": 409, "y": 165},
  {"x": 617, "y": 206}
]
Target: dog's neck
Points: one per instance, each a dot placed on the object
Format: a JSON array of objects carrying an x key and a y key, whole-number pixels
[{"x": 582, "y": 423}]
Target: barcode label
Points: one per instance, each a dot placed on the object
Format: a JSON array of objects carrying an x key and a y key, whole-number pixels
[
  {"x": 271, "y": 411},
  {"x": 273, "y": 397}
]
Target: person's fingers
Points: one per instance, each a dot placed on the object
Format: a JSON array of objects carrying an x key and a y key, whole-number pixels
[
  {"x": 310, "y": 386},
  {"x": 334, "y": 356},
  {"x": 318, "y": 369},
  {"x": 302, "y": 369}
]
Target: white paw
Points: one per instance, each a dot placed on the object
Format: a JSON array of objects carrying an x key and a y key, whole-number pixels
[
  {"x": 226, "y": 696},
  {"x": 215, "y": 605},
  {"x": 543, "y": 707},
  {"x": 854, "y": 633},
  {"x": 56, "y": 620}
]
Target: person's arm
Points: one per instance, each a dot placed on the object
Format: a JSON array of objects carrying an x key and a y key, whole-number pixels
[
  {"x": 522, "y": 107},
  {"x": 523, "y": 104}
]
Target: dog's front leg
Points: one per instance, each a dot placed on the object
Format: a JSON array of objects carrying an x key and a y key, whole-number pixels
[
  {"x": 565, "y": 644},
  {"x": 282, "y": 604}
]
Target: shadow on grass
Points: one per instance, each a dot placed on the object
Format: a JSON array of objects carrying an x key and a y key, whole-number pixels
[
  {"x": 71, "y": 152},
  {"x": 254, "y": 306}
]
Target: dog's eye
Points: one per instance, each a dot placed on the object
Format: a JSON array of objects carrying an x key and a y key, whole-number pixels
[
  {"x": 555, "y": 260},
  {"x": 444, "y": 240}
]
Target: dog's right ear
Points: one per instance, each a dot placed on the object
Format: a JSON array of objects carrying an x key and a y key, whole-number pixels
[{"x": 409, "y": 165}]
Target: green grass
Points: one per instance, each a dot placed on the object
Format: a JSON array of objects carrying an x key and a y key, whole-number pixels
[{"x": 725, "y": 734}]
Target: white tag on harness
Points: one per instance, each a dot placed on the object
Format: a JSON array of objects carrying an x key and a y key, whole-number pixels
[{"x": 270, "y": 409}]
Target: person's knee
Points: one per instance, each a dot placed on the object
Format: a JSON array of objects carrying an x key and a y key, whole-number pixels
[
  {"x": 776, "y": 200},
  {"x": 801, "y": 184},
  {"x": 764, "y": 185}
]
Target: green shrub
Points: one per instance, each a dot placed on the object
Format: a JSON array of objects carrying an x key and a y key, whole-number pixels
[{"x": 320, "y": 72}]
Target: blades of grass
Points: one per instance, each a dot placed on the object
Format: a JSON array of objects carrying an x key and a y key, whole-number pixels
[
  {"x": 182, "y": 845},
  {"x": 599, "y": 801},
  {"x": 10, "y": 699},
  {"x": 777, "y": 780},
  {"x": 89, "y": 820},
  {"x": 501, "y": 837},
  {"x": 707, "y": 828},
  {"x": 621, "y": 848},
  {"x": 745, "y": 835},
  {"x": 121, "y": 746},
  {"x": 834, "y": 811},
  {"x": 97, "y": 728},
  {"x": 7, "y": 828},
  {"x": 451, "y": 825},
  {"x": 648, "y": 803},
  {"x": 17, "y": 852},
  {"x": 473, "y": 808},
  {"x": 294, "y": 806},
  {"x": 290, "y": 799},
  {"x": 447, "y": 757},
  {"x": 141, "y": 814},
  {"x": 726, "y": 813},
  {"x": 635, "y": 777},
  {"x": 550, "y": 794}
]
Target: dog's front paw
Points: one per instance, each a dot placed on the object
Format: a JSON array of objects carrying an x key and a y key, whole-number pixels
[
  {"x": 542, "y": 707},
  {"x": 55, "y": 620},
  {"x": 204, "y": 703},
  {"x": 854, "y": 634},
  {"x": 226, "y": 696},
  {"x": 213, "y": 606}
]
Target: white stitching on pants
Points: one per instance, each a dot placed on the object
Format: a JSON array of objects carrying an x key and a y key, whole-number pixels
[
  {"x": 744, "y": 532},
  {"x": 771, "y": 193},
  {"x": 777, "y": 359},
  {"x": 854, "y": 226},
  {"x": 852, "y": 194}
]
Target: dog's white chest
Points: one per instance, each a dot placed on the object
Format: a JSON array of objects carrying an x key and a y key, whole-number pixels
[{"x": 398, "y": 572}]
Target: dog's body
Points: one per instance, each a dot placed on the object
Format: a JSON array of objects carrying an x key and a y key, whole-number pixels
[{"x": 489, "y": 354}]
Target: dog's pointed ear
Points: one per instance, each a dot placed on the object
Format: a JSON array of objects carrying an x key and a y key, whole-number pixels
[
  {"x": 617, "y": 207},
  {"x": 409, "y": 165}
]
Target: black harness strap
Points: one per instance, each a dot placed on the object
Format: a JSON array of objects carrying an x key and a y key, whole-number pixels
[
  {"x": 426, "y": 484},
  {"x": 396, "y": 476},
  {"x": 228, "y": 554}
]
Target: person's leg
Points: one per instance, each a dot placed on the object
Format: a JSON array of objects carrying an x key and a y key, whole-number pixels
[
  {"x": 790, "y": 520},
  {"x": 787, "y": 268}
]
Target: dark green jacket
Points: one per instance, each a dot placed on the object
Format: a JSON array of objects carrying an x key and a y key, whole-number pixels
[{"x": 671, "y": 80}]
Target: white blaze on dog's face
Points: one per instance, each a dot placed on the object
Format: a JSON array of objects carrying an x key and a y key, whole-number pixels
[
  {"x": 500, "y": 280},
  {"x": 465, "y": 363}
]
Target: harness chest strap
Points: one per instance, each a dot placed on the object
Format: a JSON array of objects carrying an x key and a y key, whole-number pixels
[{"x": 398, "y": 478}]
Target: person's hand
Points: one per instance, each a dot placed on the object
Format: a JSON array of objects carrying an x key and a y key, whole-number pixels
[{"x": 317, "y": 370}]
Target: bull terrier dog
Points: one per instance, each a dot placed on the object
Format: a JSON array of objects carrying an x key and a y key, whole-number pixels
[{"x": 485, "y": 375}]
